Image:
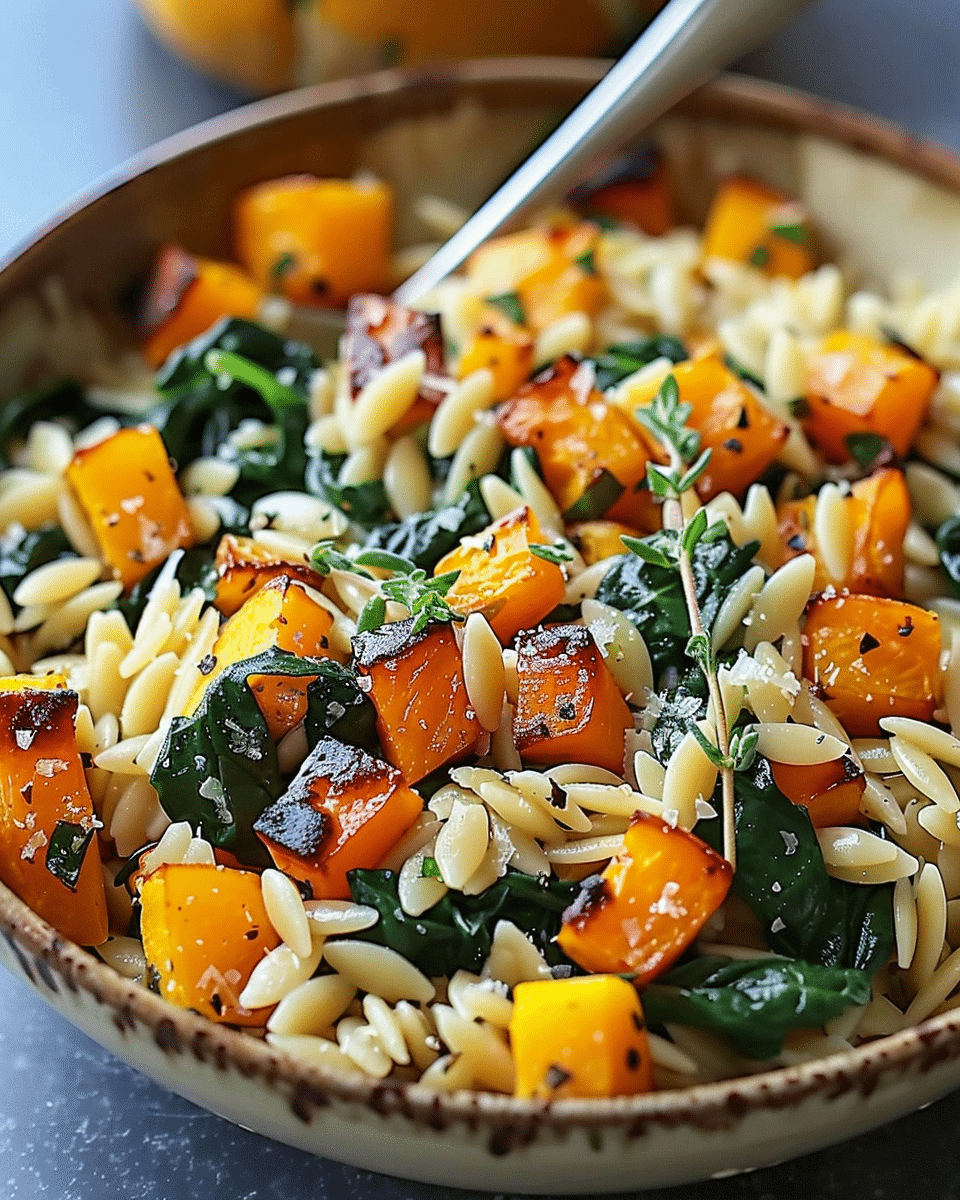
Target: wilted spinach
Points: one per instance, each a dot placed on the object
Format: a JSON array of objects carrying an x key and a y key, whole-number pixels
[
  {"x": 364, "y": 503},
  {"x": 63, "y": 399},
  {"x": 66, "y": 851},
  {"x": 21, "y": 553},
  {"x": 457, "y": 932},
  {"x": 194, "y": 569},
  {"x": 426, "y": 537},
  {"x": 624, "y": 358},
  {"x": 755, "y": 1002},
  {"x": 336, "y": 707},
  {"x": 948, "y": 544},
  {"x": 652, "y": 596}
]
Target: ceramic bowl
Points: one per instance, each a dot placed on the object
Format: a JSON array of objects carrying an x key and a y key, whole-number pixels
[{"x": 455, "y": 132}]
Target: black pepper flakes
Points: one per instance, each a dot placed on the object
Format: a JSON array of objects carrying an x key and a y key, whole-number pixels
[
  {"x": 867, "y": 643},
  {"x": 633, "y": 1058},
  {"x": 906, "y": 628},
  {"x": 734, "y": 445},
  {"x": 556, "y": 1077}
]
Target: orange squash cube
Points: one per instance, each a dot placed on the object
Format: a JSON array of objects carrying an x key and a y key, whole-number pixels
[
  {"x": 187, "y": 295},
  {"x": 129, "y": 493},
  {"x": 503, "y": 348},
  {"x": 597, "y": 540},
  {"x": 871, "y": 657},
  {"x": 879, "y": 508},
  {"x": 316, "y": 241},
  {"x": 282, "y": 614},
  {"x": 550, "y": 269},
  {"x": 830, "y": 791},
  {"x": 751, "y": 223},
  {"x": 243, "y": 566},
  {"x": 742, "y": 436},
  {"x": 569, "y": 708},
  {"x": 501, "y": 578},
  {"x": 858, "y": 385},
  {"x": 204, "y": 930},
  {"x": 48, "y": 846},
  {"x": 578, "y": 1038},
  {"x": 649, "y": 903},
  {"x": 424, "y": 716},
  {"x": 344, "y": 810},
  {"x": 582, "y": 442}
]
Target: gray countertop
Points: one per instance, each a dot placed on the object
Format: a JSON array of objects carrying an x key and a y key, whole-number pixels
[{"x": 82, "y": 87}]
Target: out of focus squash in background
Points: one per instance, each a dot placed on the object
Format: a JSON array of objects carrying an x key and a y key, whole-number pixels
[{"x": 268, "y": 45}]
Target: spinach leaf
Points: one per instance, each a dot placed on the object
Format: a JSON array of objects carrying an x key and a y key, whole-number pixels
[
  {"x": 364, "y": 503},
  {"x": 652, "y": 596},
  {"x": 200, "y": 406},
  {"x": 195, "y": 569},
  {"x": 22, "y": 551},
  {"x": 336, "y": 707},
  {"x": 457, "y": 932},
  {"x": 426, "y": 537},
  {"x": 754, "y": 1002},
  {"x": 623, "y": 358},
  {"x": 510, "y": 305},
  {"x": 781, "y": 877},
  {"x": 741, "y": 371},
  {"x": 218, "y": 769},
  {"x": 870, "y": 451},
  {"x": 948, "y": 544},
  {"x": 601, "y": 495},
  {"x": 63, "y": 399},
  {"x": 66, "y": 851},
  {"x": 677, "y": 709}
]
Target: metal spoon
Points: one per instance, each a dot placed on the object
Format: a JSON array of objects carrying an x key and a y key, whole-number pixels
[{"x": 687, "y": 43}]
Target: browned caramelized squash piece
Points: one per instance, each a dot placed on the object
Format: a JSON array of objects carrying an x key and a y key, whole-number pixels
[
  {"x": 649, "y": 903},
  {"x": 584, "y": 446},
  {"x": 129, "y": 494},
  {"x": 581, "y": 1038},
  {"x": 857, "y": 385},
  {"x": 751, "y": 223},
  {"x": 316, "y": 241},
  {"x": 424, "y": 717},
  {"x": 244, "y": 566},
  {"x": 879, "y": 508},
  {"x": 871, "y": 657},
  {"x": 830, "y": 791},
  {"x": 204, "y": 930},
  {"x": 380, "y": 331},
  {"x": 48, "y": 843},
  {"x": 344, "y": 810},
  {"x": 569, "y": 708},
  {"x": 502, "y": 578},
  {"x": 742, "y": 436},
  {"x": 187, "y": 294},
  {"x": 284, "y": 614}
]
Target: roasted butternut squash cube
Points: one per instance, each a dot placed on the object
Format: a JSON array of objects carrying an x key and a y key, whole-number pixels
[
  {"x": 284, "y": 614},
  {"x": 649, "y": 903},
  {"x": 48, "y": 842},
  {"x": 187, "y": 294},
  {"x": 856, "y": 385},
  {"x": 204, "y": 930},
  {"x": 316, "y": 241},
  {"x": 344, "y": 810},
  {"x": 128, "y": 491},
  {"x": 742, "y": 436},
  {"x": 569, "y": 708},
  {"x": 751, "y": 223},
  {"x": 597, "y": 540},
  {"x": 503, "y": 348},
  {"x": 424, "y": 716},
  {"x": 879, "y": 513},
  {"x": 549, "y": 269},
  {"x": 646, "y": 201},
  {"x": 243, "y": 566},
  {"x": 871, "y": 657},
  {"x": 830, "y": 792},
  {"x": 502, "y": 578},
  {"x": 592, "y": 454},
  {"x": 579, "y": 1038}
]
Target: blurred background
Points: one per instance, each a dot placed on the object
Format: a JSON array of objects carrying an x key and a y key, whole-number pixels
[{"x": 83, "y": 86}]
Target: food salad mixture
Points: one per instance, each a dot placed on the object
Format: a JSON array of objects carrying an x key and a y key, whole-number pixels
[{"x": 553, "y": 695}]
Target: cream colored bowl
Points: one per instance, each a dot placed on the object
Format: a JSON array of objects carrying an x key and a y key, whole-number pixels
[{"x": 455, "y": 133}]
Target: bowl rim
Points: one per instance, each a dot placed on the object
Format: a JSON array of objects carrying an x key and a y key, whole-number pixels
[{"x": 55, "y": 960}]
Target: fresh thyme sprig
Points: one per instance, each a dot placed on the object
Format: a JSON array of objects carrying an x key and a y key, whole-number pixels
[
  {"x": 422, "y": 595},
  {"x": 666, "y": 418}
]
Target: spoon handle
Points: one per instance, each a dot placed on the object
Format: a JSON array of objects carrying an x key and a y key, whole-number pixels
[{"x": 685, "y": 44}]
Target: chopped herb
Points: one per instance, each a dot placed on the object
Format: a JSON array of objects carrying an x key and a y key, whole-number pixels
[
  {"x": 66, "y": 851},
  {"x": 284, "y": 264},
  {"x": 792, "y": 231},
  {"x": 510, "y": 305},
  {"x": 622, "y": 359},
  {"x": 869, "y": 450},
  {"x": 587, "y": 263},
  {"x": 601, "y": 495},
  {"x": 556, "y": 554},
  {"x": 759, "y": 257},
  {"x": 430, "y": 869}
]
